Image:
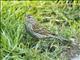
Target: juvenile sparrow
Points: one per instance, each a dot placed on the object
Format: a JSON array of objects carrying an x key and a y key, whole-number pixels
[{"x": 34, "y": 29}]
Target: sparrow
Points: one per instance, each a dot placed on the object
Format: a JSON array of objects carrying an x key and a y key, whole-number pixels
[{"x": 34, "y": 29}]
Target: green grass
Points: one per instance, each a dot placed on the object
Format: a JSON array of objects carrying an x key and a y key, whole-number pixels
[{"x": 13, "y": 46}]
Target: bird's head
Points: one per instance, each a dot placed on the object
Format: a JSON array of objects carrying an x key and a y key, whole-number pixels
[
  {"x": 30, "y": 19},
  {"x": 29, "y": 16}
]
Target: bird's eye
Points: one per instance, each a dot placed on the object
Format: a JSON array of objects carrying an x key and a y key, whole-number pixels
[{"x": 29, "y": 16}]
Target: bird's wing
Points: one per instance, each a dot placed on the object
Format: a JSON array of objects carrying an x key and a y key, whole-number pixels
[{"x": 39, "y": 29}]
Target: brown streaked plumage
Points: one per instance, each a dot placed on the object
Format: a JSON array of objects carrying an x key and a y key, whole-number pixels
[{"x": 37, "y": 31}]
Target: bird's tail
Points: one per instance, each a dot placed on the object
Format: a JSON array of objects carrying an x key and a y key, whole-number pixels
[{"x": 62, "y": 39}]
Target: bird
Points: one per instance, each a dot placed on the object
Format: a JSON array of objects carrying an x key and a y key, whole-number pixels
[{"x": 34, "y": 29}]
